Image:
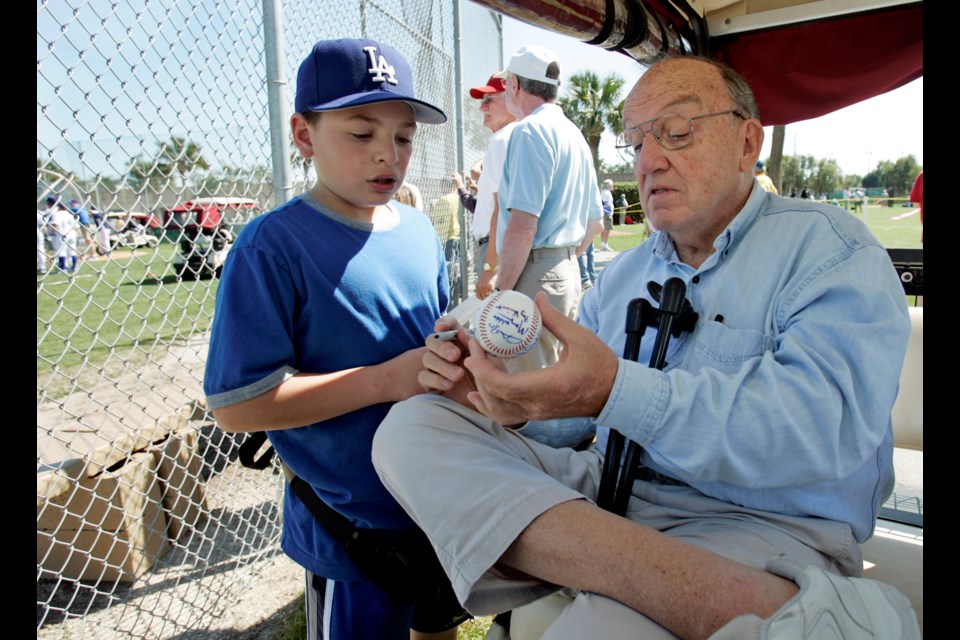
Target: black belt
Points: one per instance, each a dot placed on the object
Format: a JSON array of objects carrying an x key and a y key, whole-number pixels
[
  {"x": 649, "y": 475},
  {"x": 482, "y": 241}
]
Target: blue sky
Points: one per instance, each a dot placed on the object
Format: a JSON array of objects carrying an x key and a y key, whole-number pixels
[
  {"x": 149, "y": 108},
  {"x": 886, "y": 127}
]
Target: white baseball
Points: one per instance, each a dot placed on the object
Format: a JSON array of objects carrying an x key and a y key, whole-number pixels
[{"x": 507, "y": 324}]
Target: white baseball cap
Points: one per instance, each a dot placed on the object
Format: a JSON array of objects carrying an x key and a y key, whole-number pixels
[{"x": 533, "y": 62}]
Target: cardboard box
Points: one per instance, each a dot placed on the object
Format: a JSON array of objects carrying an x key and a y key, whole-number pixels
[
  {"x": 179, "y": 467},
  {"x": 109, "y": 526}
]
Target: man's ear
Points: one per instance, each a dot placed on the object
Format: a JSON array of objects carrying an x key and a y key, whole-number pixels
[
  {"x": 514, "y": 84},
  {"x": 301, "y": 135},
  {"x": 752, "y": 144}
]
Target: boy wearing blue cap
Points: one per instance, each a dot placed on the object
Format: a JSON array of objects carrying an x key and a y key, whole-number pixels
[{"x": 320, "y": 322}]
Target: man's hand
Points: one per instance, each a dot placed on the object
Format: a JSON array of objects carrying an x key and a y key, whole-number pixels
[
  {"x": 578, "y": 385},
  {"x": 457, "y": 180},
  {"x": 485, "y": 284}
]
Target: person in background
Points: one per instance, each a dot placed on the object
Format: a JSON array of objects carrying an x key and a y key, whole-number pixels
[
  {"x": 63, "y": 225},
  {"x": 622, "y": 205},
  {"x": 760, "y": 173},
  {"x": 498, "y": 119},
  {"x": 409, "y": 195},
  {"x": 606, "y": 201},
  {"x": 86, "y": 228},
  {"x": 444, "y": 214},
  {"x": 916, "y": 196},
  {"x": 466, "y": 185},
  {"x": 41, "y": 242},
  {"x": 549, "y": 200},
  {"x": 102, "y": 228}
]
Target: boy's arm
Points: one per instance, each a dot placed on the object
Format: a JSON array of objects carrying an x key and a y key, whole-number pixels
[{"x": 307, "y": 398}]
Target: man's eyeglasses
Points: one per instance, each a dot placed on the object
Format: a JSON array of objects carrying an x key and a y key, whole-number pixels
[
  {"x": 672, "y": 132},
  {"x": 488, "y": 99}
]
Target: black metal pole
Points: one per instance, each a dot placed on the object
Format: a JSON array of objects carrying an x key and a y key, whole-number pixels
[
  {"x": 639, "y": 314},
  {"x": 671, "y": 303}
]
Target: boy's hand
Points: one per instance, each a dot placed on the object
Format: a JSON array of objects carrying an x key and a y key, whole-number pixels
[
  {"x": 442, "y": 365},
  {"x": 401, "y": 374}
]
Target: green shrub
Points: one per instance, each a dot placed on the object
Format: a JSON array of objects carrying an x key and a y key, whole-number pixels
[{"x": 628, "y": 188}]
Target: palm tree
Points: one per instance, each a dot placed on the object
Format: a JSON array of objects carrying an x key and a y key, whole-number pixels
[
  {"x": 594, "y": 105},
  {"x": 181, "y": 156}
]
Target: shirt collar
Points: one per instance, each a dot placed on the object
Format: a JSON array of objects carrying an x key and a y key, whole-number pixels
[{"x": 544, "y": 107}]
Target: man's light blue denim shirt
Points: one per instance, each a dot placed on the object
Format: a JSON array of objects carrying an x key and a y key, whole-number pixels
[{"x": 780, "y": 398}]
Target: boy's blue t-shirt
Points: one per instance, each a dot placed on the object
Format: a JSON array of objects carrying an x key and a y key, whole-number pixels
[{"x": 305, "y": 289}]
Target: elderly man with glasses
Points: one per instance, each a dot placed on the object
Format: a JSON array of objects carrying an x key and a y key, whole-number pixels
[{"x": 766, "y": 439}]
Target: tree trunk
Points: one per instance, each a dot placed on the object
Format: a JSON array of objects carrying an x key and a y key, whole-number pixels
[
  {"x": 776, "y": 154},
  {"x": 594, "y": 143}
]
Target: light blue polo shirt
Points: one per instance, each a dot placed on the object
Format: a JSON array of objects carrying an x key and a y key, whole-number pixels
[{"x": 549, "y": 173}]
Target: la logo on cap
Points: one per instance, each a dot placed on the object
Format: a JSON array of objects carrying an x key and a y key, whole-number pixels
[{"x": 379, "y": 68}]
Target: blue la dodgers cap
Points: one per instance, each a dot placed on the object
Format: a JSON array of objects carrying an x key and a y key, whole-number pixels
[{"x": 338, "y": 74}]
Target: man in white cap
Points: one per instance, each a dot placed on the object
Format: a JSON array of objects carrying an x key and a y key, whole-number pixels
[
  {"x": 549, "y": 201},
  {"x": 500, "y": 122},
  {"x": 606, "y": 199}
]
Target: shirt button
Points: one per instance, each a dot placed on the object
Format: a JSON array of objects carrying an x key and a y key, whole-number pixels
[{"x": 696, "y": 279}]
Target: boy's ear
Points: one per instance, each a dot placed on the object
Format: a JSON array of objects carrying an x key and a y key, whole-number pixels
[{"x": 301, "y": 135}]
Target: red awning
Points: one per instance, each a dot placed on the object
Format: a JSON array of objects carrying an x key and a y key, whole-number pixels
[
  {"x": 798, "y": 71},
  {"x": 807, "y": 70}
]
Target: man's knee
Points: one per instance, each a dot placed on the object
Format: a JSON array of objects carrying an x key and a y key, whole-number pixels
[
  {"x": 409, "y": 429},
  {"x": 394, "y": 435}
]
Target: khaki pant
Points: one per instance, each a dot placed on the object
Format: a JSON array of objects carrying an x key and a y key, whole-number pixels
[
  {"x": 555, "y": 272},
  {"x": 474, "y": 486}
]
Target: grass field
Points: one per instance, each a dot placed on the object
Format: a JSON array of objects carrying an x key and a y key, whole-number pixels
[
  {"x": 887, "y": 224},
  {"x": 113, "y": 314},
  {"x": 892, "y": 229}
]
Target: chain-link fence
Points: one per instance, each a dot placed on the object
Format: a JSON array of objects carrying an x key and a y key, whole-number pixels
[{"x": 166, "y": 122}]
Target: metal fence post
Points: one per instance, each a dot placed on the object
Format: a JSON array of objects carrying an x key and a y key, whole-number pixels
[
  {"x": 276, "y": 100},
  {"x": 465, "y": 229}
]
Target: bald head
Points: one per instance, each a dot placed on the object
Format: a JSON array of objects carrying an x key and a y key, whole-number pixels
[
  {"x": 700, "y": 77},
  {"x": 692, "y": 125}
]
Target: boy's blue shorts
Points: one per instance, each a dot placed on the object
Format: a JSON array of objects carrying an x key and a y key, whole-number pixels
[{"x": 351, "y": 610}]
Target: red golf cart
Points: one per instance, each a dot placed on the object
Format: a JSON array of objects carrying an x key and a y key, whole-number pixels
[{"x": 204, "y": 230}]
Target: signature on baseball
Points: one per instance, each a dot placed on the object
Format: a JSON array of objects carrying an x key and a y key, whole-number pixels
[
  {"x": 507, "y": 324},
  {"x": 510, "y": 323}
]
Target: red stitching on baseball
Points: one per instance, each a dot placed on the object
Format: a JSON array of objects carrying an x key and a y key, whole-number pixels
[{"x": 486, "y": 341}]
